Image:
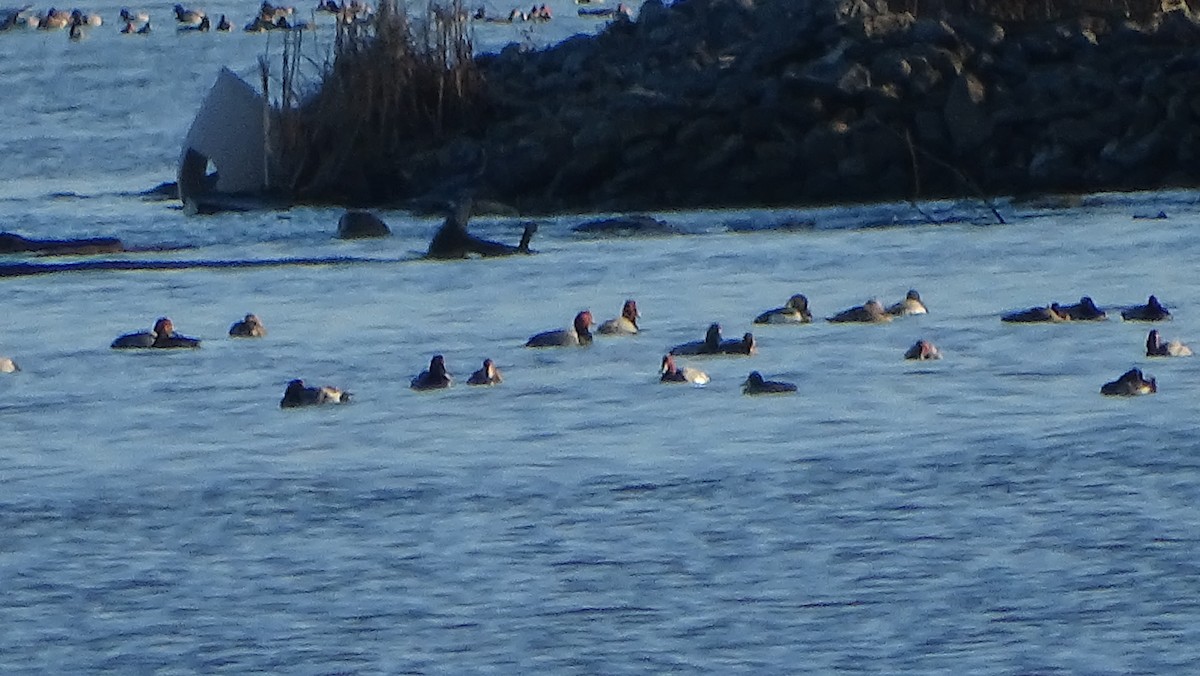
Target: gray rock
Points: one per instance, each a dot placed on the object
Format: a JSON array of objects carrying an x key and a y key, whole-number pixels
[
  {"x": 966, "y": 118},
  {"x": 361, "y": 225}
]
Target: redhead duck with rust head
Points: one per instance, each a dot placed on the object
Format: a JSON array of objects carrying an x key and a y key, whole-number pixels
[
  {"x": 923, "y": 350},
  {"x": 435, "y": 378},
  {"x": 871, "y": 312},
  {"x": 297, "y": 395},
  {"x": 1131, "y": 383},
  {"x": 578, "y": 335},
  {"x": 674, "y": 374},
  {"x": 1152, "y": 311},
  {"x": 626, "y": 324},
  {"x": 1157, "y": 347},
  {"x": 911, "y": 305},
  {"x": 250, "y": 327},
  {"x": 710, "y": 345},
  {"x": 161, "y": 336},
  {"x": 795, "y": 311},
  {"x": 755, "y": 384},
  {"x": 487, "y": 375}
]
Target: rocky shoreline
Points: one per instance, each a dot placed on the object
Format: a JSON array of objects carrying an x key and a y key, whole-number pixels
[{"x": 728, "y": 103}]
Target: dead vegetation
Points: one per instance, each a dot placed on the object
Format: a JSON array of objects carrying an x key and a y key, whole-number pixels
[{"x": 394, "y": 84}]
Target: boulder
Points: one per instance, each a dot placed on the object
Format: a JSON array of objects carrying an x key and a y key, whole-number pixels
[{"x": 361, "y": 225}]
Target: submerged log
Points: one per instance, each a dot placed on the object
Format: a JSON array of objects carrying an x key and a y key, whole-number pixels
[
  {"x": 453, "y": 241},
  {"x": 14, "y": 243}
]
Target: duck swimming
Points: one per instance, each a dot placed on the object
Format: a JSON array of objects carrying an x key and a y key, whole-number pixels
[
  {"x": 746, "y": 345},
  {"x": 1050, "y": 313},
  {"x": 161, "y": 336},
  {"x": 577, "y": 336},
  {"x": 1156, "y": 347},
  {"x": 710, "y": 345},
  {"x": 756, "y": 385},
  {"x": 297, "y": 395},
  {"x": 7, "y": 365},
  {"x": 435, "y": 378},
  {"x": 487, "y": 375},
  {"x": 871, "y": 312},
  {"x": 911, "y": 305},
  {"x": 923, "y": 350},
  {"x": 795, "y": 311},
  {"x": 673, "y": 374},
  {"x": 1131, "y": 383},
  {"x": 1152, "y": 311},
  {"x": 626, "y": 324},
  {"x": 250, "y": 327},
  {"x": 1085, "y": 310}
]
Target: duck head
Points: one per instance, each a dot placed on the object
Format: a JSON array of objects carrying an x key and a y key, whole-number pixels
[
  {"x": 164, "y": 327},
  {"x": 874, "y": 307},
  {"x": 668, "y": 364},
  {"x": 437, "y": 366},
  {"x": 912, "y": 295},
  {"x": 798, "y": 302},
  {"x": 583, "y": 322},
  {"x": 755, "y": 379},
  {"x": 712, "y": 338},
  {"x": 629, "y": 311}
]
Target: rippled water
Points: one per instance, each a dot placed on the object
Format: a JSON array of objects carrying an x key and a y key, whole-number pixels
[{"x": 988, "y": 513}]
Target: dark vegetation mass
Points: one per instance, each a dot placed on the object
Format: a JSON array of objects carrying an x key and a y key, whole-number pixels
[{"x": 708, "y": 103}]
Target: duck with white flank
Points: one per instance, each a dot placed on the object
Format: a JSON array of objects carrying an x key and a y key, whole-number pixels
[
  {"x": 578, "y": 335},
  {"x": 1152, "y": 311},
  {"x": 161, "y": 336},
  {"x": 1131, "y": 383},
  {"x": 1157, "y": 347},
  {"x": 487, "y": 375},
  {"x": 297, "y": 395},
  {"x": 435, "y": 378},
  {"x": 626, "y": 324},
  {"x": 674, "y": 374},
  {"x": 756, "y": 385},
  {"x": 795, "y": 311},
  {"x": 911, "y": 305}
]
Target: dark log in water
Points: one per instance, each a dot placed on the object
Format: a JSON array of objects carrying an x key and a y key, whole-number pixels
[
  {"x": 27, "y": 269},
  {"x": 14, "y": 243},
  {"x": 453, "y": 241}
]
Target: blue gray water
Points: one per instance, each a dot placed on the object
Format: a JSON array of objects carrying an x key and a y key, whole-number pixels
[{"x": 988, "y": 513}]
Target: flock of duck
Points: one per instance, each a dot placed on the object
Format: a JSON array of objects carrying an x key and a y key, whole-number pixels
[
  {"x": 795, "y": 311},
  {"x": 270, "y": 17},
  {"x": 137, "y": 22}
]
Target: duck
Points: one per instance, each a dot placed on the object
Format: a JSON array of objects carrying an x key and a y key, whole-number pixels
[
  {"x": 223, "y": 24},
  {"x": 756, "y": 385},
  {"x": 911, "y": 305},
  {"x": 250, "y": 327},
  {"x": 202, "y": 27},
  {"x": 486, "y": 375},
  {"x": 923, "y": 350},
  {"x": 1152, "y": 311},
  {"x": 55, "y": 19},
  {"x": 1131, "y": 383},
  {"x": 673, "y": 374},
  {"x": 871, "y": 312},
  {"x": 185, "y": 15},
  {"x": 161, "y": 336},
  {"x": 624, "y": 325},
  {"x": 7, "y": 365},
  {"x": 578, "y": 335},
  {"x": 1085, "y": 310},
  {"x": 435, "y": 378},
  {"x": 795, "y": 311},
  {"x": 1155, "y": 347},
  {"x": 710, "y": 345},
  {"x": 1050, "y": 313},
  {"x": 135, "y": 17},
  {"x": 746, "y": 345},
  {"x": 297, "y": 395}
]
